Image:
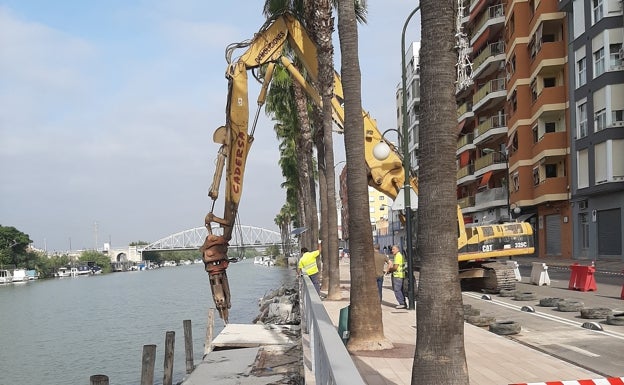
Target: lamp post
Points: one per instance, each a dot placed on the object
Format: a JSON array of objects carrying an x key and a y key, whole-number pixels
[
  {"x": 505, "y": 156},
  {"x": 407, "y": 167},
  {"x": 381, "y": 151}
]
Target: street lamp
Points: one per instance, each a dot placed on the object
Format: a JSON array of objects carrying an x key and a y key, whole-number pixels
[
  {"x": 505, "y": 156},
  {"x": 381, "y": 151}
]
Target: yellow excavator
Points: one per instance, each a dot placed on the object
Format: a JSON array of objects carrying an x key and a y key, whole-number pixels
[{"x": 266, "y": 49}]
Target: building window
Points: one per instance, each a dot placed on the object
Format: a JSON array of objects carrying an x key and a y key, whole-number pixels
[
  {"x": 582, "y": 167},
  {"x": 582, "y": 120},
  {"x": 600, "y": 120},
  {"x": 584, "y": 230},
  {"x": 598, "y": 11},
  {"x": 536, "y": 178},
  {"x": 550, "y": 127},
  {"x": 514, "y": 101},
  {"x": 582, "y": 72},
  {"x": 550, "y": 82},
  {"x": 617, "y": 116},
  {"x": 534, "y": 90},
  {"x": 551, "y": 171},
  {"x": 599, "y": 62},
  {"x": 515, "y": 178},
  {"x": 535, "y": 133},
  {"x": 615, "y": 60}
]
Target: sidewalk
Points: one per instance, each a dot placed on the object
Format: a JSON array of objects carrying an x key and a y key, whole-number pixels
[
  {"x": 492, "y": 359},
  {"x": 614, "y": 266}
]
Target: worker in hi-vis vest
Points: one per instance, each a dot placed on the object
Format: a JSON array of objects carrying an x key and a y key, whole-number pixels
[
  {"x": 307, "y": 265},
  {"x": 398, "y": 273}
]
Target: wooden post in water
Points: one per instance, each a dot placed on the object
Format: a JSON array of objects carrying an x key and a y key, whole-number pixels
[
  {"x": 147, "y": 365},
  {"x": 209, "y": 331},
  {"x": 169, "y": 350},
  {"x": 98, "y": 379},
  {"x": 188, "y": 345}
]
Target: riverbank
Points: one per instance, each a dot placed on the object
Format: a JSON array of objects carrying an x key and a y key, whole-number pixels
[{"x": 266, "y": 352}]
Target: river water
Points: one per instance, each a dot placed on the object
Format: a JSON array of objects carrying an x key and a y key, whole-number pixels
[{"x": 61, "y": 331}]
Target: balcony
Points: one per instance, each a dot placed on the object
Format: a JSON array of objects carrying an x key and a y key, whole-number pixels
[
  {"x": 488, "y": 60},
  {"x": 491, "y": 198},
  {"x": 465, "y": 174},
  {"x": 494, "y": 126},
  {"x": 490, "y": 162},
  {"x": 465, "y": 140},
  {"x": 466, "y": 202},
  {"x": 550, "y": 54},
  {"x": 550, "y": 99},
  {"x": 549, "y": 187},
  {"x": 492, "y": 92},
  {"x": 549, "y": 143},
  {"x": 494, "y": 15},
  {"x": 464, "y": 111}
]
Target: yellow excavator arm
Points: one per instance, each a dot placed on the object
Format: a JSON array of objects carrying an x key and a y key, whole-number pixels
[{"x": 266, "y": 48}]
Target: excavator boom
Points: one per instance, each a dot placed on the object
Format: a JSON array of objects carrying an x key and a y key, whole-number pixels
[{"x": 235, "y": 138}]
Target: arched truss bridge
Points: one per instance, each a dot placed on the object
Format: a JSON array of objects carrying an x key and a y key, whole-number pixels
[{"x": 193, "y": 238}]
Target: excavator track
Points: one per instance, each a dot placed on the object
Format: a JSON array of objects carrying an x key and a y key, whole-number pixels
[{"x": 498, "y": 276}]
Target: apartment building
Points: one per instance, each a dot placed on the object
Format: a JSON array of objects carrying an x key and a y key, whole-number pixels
[
  {"x": 412, "y": 90},
  {"x": 596, "y": 102},
  {"x": 513, "y": 149}
]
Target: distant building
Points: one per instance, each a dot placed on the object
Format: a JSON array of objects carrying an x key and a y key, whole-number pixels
[{"x": 596, "y": 136}]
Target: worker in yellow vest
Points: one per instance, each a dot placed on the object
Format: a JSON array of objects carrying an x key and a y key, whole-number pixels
[
  {"x": 307, "y": 265},
  {"x": 398, "y": 273}
]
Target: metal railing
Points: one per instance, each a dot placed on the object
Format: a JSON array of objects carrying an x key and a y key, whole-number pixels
[
  {"x": 493, "y": 85},
  {"x": 331, "y": 363},
  {"x": 492, "y": 49}
]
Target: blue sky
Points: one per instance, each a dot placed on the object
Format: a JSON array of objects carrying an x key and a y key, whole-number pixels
[{"x": 108, "y": 110}]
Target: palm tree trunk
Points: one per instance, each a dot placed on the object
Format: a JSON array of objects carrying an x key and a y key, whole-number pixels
[
  {"x": 322, "y": 27},
  {"x": 306, "y": 181},
  {"x": 365, "y": 323},
  {"x": 440, "y": 356}
]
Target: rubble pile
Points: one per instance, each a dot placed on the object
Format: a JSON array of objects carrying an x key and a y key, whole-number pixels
[{"x": 280, "y": 307}]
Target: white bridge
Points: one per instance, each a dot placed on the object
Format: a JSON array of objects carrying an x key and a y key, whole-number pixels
[
  {"x": 192, "y": 239},
  {"x": 242, "y": 236}
]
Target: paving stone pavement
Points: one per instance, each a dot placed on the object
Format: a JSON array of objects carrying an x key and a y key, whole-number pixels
[{"x": 492, "y": 359}]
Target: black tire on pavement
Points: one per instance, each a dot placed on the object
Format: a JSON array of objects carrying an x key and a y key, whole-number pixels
[
  {"x": 472, "y": 312},
  {"x": 595, "y": 312},
  {"x": 505, "y": 328},
  {"x": 569, "y": 306},
  {"x": 480, "y": 320},
  {"x": 550, "y": 301},
  {"x": 616, "y": 319},
  {"x": 507, "y": 293},
  {"x": 525, "y": 296}
]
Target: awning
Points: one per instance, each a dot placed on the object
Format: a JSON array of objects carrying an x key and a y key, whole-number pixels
[
  {"x": 475, "y": 12},
  {"x": 485, "y": 179},
  {"x": 511, "y": 139},
  {"x": 481, "y": 40},
  {"x": 524, "y": 217},
  {"x": 460, "y": 126},
  {"x": 464, "y": 159}
]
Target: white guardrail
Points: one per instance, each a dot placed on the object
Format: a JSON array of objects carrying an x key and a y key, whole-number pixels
[{"x": 331, "y": 362}]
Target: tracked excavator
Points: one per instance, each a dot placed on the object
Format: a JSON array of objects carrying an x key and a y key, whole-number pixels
[{"x": 476, "y": 245}]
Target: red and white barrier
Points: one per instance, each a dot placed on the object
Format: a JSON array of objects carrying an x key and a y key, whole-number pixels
[{"x": 599, "y": 381}]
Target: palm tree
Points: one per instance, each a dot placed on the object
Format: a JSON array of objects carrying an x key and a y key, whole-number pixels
[
  {"x": 320, "y": 23},
  {"x": 440, "y": 356},
  {"x": 285, "y": 105},
  {"x": 365, "y": 310}
]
